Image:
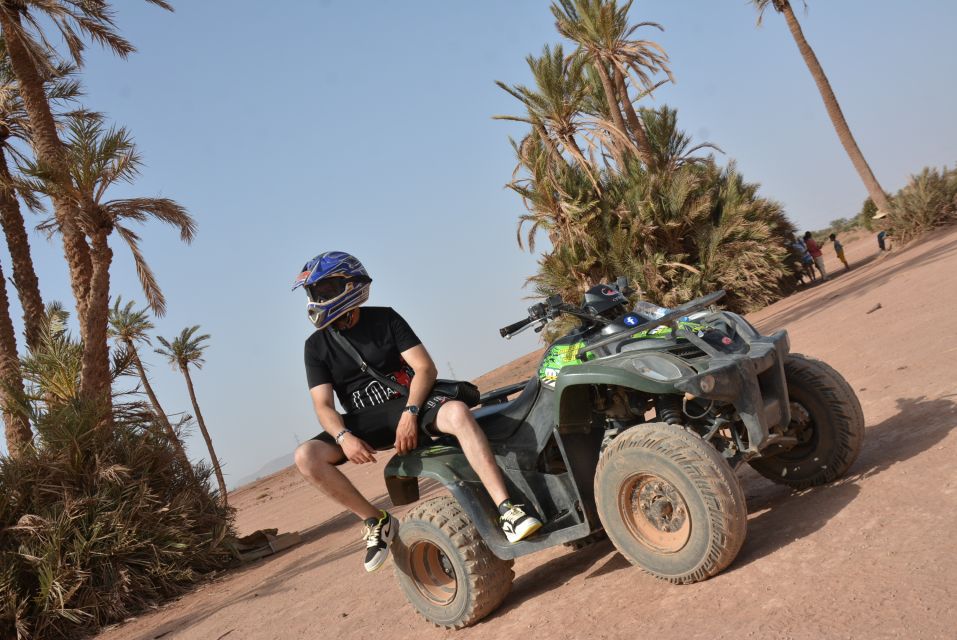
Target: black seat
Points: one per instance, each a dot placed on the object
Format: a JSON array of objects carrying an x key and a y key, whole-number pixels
[{"x": 500, "y": 421}]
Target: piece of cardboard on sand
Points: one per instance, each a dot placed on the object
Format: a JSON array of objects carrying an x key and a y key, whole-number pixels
[{"x": 265, "y": 542}]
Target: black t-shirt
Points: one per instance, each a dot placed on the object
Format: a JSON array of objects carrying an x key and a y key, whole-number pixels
[{"x": 380, "y": 336}]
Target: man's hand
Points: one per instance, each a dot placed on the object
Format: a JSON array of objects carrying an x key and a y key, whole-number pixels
[
  {"x": 357, "y": 450},
  {"x": 406, "y": 433}
]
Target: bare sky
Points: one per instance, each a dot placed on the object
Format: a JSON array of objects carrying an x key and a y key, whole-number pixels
[{"x": 294, "y": 127}]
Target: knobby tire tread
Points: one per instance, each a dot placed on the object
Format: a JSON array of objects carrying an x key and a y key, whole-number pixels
[
  {"x": 490, "y": 578},
  {"x": 713, "y": 478},
  {"x": 842, "y": 405}
]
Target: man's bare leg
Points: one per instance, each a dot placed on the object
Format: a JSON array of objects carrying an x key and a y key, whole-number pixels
[
  {"x": 316, "y": 460},
  {"x": 454, "y": 418}
]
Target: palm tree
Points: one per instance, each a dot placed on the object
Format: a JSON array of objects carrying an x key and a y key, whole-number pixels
[
  {"x": 554, "y": 106},
  {"x": 604, "y": 37},
  {"x": 185, "y": 350},
  {"x": 16, "y": 426},
  {"x": 844, "y": 134},
  {"x": 129, "y": 327},
  {"x": 14, "y": 127},
  {"x": 98, "y": 159},
  {"x": 22, "y": 23},
  {"x": 663, "y": 214},
  {"x": 678, "y": 227},
  {"x": 669, "y": 147}
]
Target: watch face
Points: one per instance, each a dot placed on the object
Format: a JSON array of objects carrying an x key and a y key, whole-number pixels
[{"x": 414, "y": 410}]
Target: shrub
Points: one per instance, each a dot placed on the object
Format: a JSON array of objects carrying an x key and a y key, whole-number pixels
[
  {"x": 928, "y": 201},
  {"x": 98, "y": 524},
  {"x": 98, "y": 519},
  {"x": 866, "y": 216}
]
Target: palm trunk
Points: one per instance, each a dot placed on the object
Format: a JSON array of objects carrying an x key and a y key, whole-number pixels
[
  {"x": 617, "y": 148},
  {"x": 157, "y": 409},
  {"x": 834, "y": 109},
  {"x": 558, "y": 162},
  {"x": 634, "y": 122},
  {"x": 95, "y": 371},
  {"x": 49, "y": 151},
  {"x": 575, "y": 151},
  {"x": 16, "y": 426},
  {"x": 24, "y": 275},
  {"x": 209, "y": 441},
  {"x": 553, "y": 151}
]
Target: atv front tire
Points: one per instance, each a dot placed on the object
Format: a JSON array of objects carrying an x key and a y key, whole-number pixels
[
  {"x": 827, "y": 420},
  {"x": 670, "y": 503},
  {"x": 445, "y": 570}
]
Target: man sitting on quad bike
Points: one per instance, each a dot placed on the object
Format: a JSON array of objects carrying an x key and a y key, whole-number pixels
[{"x": 377, "y": 416}]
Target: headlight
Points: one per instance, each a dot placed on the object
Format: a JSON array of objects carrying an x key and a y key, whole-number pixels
[
  {"x": 723, "y": 383},
  {"x": 656, "y": 368}
]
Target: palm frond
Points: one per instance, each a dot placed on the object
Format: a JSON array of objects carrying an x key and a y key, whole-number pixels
[
  {"x": 185, "y": 349},
  {"x": 128, "y": 324},
  {"x": 154, "y": 295}
]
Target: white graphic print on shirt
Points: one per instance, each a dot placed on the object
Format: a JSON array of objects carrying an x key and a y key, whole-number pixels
[{"x": 375, "y": 393}]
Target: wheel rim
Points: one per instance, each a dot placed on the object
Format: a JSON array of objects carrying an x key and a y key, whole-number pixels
[
  {"x": 803, "y": 428},
  {"x": 655, "y": 512},
  {"x": 433, "y": 573}
]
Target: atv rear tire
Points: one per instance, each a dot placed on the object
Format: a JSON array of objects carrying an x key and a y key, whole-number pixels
[
  {"x": 445, "y": 569},
  {"x": 828, "y": 421},
  {"x": 670, "y": 503}
]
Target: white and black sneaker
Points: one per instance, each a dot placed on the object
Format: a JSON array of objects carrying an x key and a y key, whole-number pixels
[
  {"x": 378, "y": 534},
  {"x": 517, "y": 524}
]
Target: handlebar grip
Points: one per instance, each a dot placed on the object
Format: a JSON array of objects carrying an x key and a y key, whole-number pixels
[{"x": 515, "y": 326}]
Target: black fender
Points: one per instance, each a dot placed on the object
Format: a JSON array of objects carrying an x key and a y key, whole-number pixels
[{"x": 573, "y": 407}]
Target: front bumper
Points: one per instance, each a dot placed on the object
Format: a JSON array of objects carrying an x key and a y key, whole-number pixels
[{"x": 753, "y": 382}]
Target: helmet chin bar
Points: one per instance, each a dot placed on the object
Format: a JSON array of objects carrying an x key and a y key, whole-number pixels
[{"x": 322, "y": 314}]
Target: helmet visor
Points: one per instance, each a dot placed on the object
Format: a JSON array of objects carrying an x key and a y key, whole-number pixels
[{"x": 327, "y": 289}]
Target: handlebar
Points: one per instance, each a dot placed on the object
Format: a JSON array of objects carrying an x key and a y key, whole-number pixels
[
  {"x": 515, "y": 326},
  {"x": 554, "y": 306}
]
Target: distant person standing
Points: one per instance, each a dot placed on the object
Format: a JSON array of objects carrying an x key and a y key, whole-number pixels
[
  {"x": 883, "y": 241},
  {"x": 807, "y": 263},
  {"x": 815, "y": 250},
  {"x": 839, "y": 250}
]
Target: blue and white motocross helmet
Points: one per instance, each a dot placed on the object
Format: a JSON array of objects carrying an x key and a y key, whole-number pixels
[{"x": 336, "y": 283}]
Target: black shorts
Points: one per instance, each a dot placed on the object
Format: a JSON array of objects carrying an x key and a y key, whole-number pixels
[{"x": 376, "y": 425}]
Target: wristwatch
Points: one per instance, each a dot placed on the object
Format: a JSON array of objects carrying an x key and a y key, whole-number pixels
[{"x": 413, "y": 409}]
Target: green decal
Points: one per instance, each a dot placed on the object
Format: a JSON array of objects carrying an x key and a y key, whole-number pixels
[
  {"x": 559, "y": 356},
  {"x": 663, "y": 332},
  {"x": 564, "y": 355}
]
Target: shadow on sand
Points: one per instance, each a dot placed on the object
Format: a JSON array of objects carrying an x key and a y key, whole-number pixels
[
  {"x": 294, "y": 565},
  {"x": 783, "y": 516}
]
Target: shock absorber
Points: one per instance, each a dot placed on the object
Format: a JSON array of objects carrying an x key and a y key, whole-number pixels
[{"x": 668, "y": 409}]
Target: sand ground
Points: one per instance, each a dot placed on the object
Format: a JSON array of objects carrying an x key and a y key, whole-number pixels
[{"x": 871, "y": 556}]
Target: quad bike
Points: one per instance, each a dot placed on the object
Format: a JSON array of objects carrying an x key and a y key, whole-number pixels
[{"x": 633, "y": 426}]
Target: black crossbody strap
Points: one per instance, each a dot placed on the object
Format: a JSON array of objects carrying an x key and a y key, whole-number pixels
[{"x": 364, "y": 366}]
